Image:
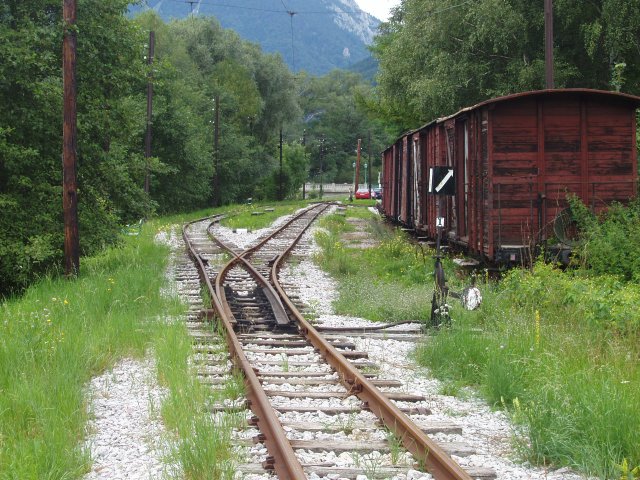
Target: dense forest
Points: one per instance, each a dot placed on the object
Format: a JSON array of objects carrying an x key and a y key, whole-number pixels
[
  {"x": 437, "y": 56},
  {"x": 434, "y": 57},
  {"x": 195, "y": 61}
]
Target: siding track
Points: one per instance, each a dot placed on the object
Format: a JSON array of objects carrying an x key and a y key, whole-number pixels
[{"x": 309, "y": 392}]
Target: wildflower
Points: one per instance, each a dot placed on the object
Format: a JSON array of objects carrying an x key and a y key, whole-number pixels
[
  {"x": 66, "y": 302},
  {"x": 516, "y": 403},
  {"x": 54, "y": 299}
]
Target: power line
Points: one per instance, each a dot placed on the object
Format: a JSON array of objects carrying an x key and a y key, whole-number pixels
[
  {"x": 270, "y": 10},
  {"x": 293, "y": 52}
]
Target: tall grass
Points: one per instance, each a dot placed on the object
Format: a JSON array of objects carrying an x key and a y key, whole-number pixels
[
  {"x": 61, "y": 333},
  {"x": 390, "y": 281},
  {"x": 562, "y": 356},
  {"x": 558, "y": 350},
  {"x": 202, "y": 443},
  {"x": 56, "y": 337}
]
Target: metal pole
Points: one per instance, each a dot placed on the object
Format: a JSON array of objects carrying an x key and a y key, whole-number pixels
[
  {"x": 548, "y": 43},
  {"x": 69, "y": 141},
  {"x": 304, "y": 153},
  {"x": 439, "y": 311},
  {"x": 357, "y": 179},
  {"x": 280, "y": 196},
  {"x": 216, "y": 154},
  {"x": 147, "y": 146},
  {"x": 370, "y": 166},
  {"x": 321, "y": 166}
]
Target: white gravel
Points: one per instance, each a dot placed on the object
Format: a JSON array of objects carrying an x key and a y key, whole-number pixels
[
  {"x": 126, "y": 433},
  {"x": 126, "y": 438},
  {"x": 490, "y": 432}
]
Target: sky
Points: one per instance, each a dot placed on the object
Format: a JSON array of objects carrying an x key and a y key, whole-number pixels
[{"x": 378, "y": 8}]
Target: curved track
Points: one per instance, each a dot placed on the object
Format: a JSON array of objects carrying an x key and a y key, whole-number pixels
[{"x": 263, "y": 328}]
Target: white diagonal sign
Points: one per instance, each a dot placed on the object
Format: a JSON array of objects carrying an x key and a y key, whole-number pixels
[{"x": 444, "y": 180}]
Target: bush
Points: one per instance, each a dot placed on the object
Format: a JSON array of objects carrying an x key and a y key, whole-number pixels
[{"x": 611, "y": 242}]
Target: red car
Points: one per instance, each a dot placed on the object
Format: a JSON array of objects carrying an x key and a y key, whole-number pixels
[{"x": 363, "y": 193}]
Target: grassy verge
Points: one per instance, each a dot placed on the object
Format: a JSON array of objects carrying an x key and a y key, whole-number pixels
[
  {"x": 260, "y": 215},
  {"x": 202, "y": 442},
  {"x": 558, "y": 351},
  {"x": 60, "y": 334},
  {"x": 390, "y": 281}
]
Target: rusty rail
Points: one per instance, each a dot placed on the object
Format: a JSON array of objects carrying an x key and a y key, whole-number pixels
[
  {"x": 282, "y": 457},
  {"x": 425, "y": 450}
]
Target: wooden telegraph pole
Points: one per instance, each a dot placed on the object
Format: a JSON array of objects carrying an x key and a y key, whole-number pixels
[
  {"x": 147, "y": 146},
  {"x": 548, "y": 43},
  {"x": 357, "y": 179},
  {"x": 280, "y": 192},
  {"x": 69, "y": 141},
  {"x": 216, "y": 153}
]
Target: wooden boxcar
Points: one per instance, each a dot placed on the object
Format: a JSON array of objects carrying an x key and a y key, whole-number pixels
[{"x": 516, "y": 159}]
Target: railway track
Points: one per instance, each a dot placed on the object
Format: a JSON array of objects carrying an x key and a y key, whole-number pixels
[{"x": 319, "y": 408}]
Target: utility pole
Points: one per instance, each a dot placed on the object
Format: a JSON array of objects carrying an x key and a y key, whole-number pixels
[
  {"x": 357, "y": 179},
  {"x": 304, "y": 153},
  {"x": 216, "y": 153},
  {"x": 280, "y": 196},
  {"x": 69, "y": 141},
  {"x": 370, "y": 166},
  {"x": 321, "y": 166},
  {"x": 548, "y": 43},
  {"x": 147, "y": 146}
]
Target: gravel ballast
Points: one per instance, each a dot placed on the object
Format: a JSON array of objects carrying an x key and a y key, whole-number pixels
[
  {"x": 126, "y": 439},
  {"x": 125, "y": 431}
]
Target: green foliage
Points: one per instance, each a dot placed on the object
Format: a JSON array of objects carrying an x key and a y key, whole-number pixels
[
  {"x": 611, "y": 242},
  {"x": 288, "y": 182},
  {"x": 60, "y": 334},
  {"x": 558, "y": 350},
  {"x": 334, "y": 109},
  {"x": 195, "y": 61},
  {"x": 109, "y": 73},
  {"x": 462, "y": 53}
]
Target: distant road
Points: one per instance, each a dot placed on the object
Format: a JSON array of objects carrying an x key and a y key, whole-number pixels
[
  {"x": 329, "y": 187},
  {"x": 333, "y": 187}
]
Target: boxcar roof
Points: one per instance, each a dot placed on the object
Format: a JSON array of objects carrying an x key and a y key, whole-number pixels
[{"x": 632, "y": 99}]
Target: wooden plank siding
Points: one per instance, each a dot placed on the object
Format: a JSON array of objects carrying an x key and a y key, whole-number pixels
[{"x": 516, "y": 159}]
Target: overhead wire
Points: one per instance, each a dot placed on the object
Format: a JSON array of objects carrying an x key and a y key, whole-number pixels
[{"x": 269, "y": 10}]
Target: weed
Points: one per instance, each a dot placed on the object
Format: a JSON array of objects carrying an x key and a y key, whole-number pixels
[
  {"x": 345, "y": 423},
  {"x": 370, "y": 463},
  {"x": 284, "y": 362},
  {"x": 395, "y": 447}
]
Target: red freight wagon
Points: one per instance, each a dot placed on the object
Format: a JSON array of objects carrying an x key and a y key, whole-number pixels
[{"x": 516, "y": 158}]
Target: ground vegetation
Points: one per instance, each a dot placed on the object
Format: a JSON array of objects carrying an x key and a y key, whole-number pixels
[{"x": 556, "y": 348}]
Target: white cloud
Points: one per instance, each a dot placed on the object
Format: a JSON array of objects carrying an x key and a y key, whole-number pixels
[{"x": 378, "y": 8}]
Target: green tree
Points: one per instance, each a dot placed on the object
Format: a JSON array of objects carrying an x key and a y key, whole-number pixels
[
  {"x": 109, "y": 73},
  {"x": 438, "y": 56},
  {"x": 334, "y": 109}
]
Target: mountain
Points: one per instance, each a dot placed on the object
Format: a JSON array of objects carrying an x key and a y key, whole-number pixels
[{"x": 326, "y": 34}]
